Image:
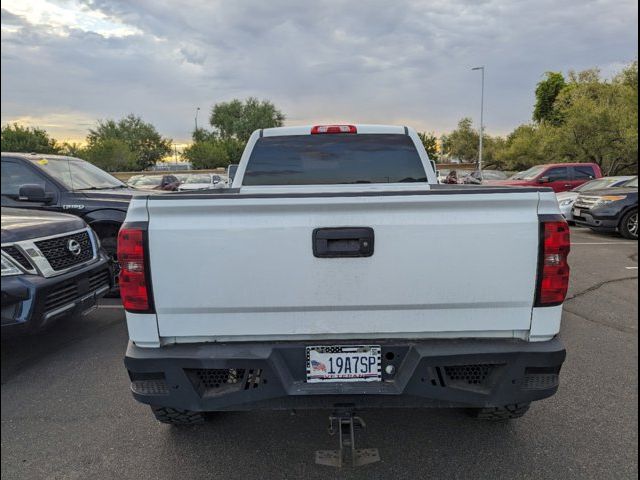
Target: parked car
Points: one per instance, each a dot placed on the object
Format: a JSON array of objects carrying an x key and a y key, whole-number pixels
[
  {"x": 609, "y": 209},
  {"x": 476, "y": 177},
  {"x": 70, "y": 185},
  {"x": 558, "y": 176},
  {"x": 52, "y": 267},
  {"x": 333, "y": 291},
  {"x": 203, "y": 181},
  {"x": 169, "y": 183},
  {"x": 567, "y": 199}
]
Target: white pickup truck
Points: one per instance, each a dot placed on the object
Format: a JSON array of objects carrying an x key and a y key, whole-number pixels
[{"x": 336, "y": 271}]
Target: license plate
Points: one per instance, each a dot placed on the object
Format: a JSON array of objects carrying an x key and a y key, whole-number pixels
[
  {"x": 576, "y": 212},
  {"x": 343, "y": 363}
]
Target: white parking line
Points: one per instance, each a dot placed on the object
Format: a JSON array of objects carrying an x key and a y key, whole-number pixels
[
  {"x": 631, "y": 268},
  {"x": 110, "y": 306}
]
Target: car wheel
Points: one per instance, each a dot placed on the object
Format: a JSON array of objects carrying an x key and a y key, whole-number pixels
[
  {"x": 629, "y": 225},
  {"x": 496, "y": 414}
]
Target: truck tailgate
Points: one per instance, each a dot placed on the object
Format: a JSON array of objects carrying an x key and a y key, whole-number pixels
[{"x": 234, "y": 267}]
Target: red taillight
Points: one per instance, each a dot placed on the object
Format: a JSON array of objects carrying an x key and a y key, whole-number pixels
[
  {"x": 553, "y": 281},
  {"x": 334, "y": 129},
  {"x": 134, "y": 289}
]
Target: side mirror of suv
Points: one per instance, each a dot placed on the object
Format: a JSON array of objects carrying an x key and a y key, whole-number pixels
[{"x": 32, "y": 192}]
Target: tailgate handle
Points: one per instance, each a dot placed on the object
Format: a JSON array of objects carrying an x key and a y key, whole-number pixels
[{"x": 343, "y": 242}]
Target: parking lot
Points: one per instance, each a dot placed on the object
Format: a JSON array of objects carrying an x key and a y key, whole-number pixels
[{"x": 67, "y": 411}]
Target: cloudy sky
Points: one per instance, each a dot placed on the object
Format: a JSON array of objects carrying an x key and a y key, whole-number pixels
[{"x": 66, "y": 63}]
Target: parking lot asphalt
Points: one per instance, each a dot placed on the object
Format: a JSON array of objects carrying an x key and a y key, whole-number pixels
[{"x": 67, "y": 411}]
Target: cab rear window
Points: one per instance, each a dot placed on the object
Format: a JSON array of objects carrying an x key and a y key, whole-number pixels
[{"x": 334, "y": 159}]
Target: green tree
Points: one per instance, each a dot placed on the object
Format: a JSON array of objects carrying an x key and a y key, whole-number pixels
[
  {"x": 628, "y": 76},
  {"x": 72, "y": 149},
  {"x": 430, "y": 142},
  {"x": 234, "y": 148},
  {"x": 238, "y": 119},
  {"x": 111, "y": 154},
  {"x": 210, "y": 153},
  {"x": 522, "y": 148},
  {"x": 546, "y": 93},
  {"x": 17, "y": 138},
  {"x": 462, "y": 143},
  {"x": 492, "y": 154},
  {"x": 600, "y": 125},
  {"x": 142, "y": 139}
]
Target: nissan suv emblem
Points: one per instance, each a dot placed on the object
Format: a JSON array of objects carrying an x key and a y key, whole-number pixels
[{"x": 74, "y": 247}]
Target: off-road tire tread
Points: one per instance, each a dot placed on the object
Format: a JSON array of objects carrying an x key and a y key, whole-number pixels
[
  {"x": 496, "y": 414},
  {"x": 176, "y": 416}
]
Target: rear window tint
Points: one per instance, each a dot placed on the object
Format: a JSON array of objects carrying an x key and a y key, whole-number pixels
[{"x": 334, "y": 159}]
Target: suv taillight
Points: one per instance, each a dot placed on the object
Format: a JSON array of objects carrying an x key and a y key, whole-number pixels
[
  {"x": 133, "y": 281},
  {"x": 553, "y": 272}
]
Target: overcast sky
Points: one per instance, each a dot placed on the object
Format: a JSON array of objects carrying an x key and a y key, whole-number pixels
[{"x": 67, "y": 63}]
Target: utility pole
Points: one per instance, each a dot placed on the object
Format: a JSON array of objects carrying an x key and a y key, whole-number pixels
[
  {"x": 481, "y": 121},
  {"x": 197, "y": 110}
]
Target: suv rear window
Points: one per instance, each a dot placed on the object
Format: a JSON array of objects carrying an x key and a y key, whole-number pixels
[{"x": 334, "y": 159}]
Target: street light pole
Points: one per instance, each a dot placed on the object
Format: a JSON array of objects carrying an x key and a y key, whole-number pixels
[
  {"x": 481, "y": 121},
  {"x": 197, "y": 110}
]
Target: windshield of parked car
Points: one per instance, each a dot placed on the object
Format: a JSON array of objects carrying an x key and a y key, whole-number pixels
[
  {"x": 633, "y": 183},
  {"x": 493, "y": 175},
  {"x": 334, "y": 159},
  {"x": 198, "y": 179},
  {"x": 530, "y": 174},
  {"x": 596, "y": 184},
  {"x": 146, "y": 181},
  {"x": 76, "y": 174}
]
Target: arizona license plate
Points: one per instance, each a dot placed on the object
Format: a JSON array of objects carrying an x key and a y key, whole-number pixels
[{"x": 344, "y": 363}]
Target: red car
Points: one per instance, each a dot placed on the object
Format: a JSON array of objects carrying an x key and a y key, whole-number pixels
[{"x": 561, "y": 177}]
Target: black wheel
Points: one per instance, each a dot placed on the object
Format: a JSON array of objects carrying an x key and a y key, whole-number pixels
[
  {"x": 629, "y": 225},
  {"x": 176, "y": 416},
  {"x": 108, "y": 235},
  {"x": 496, "y": 414},
  {"x": 110, "y": 247}
]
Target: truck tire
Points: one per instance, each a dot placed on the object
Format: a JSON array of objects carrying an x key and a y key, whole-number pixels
[
  {"x": 629, "y": 225},
  {"x": 496, "y": 414},
  {"x": 176, "y": 416}
]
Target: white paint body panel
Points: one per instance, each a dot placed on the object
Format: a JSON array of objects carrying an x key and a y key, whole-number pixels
[
  {"x": 445, "y": 265},
  {"x": 266, "y": 280}
]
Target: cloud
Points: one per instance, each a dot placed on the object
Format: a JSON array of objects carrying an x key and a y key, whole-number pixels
[{"x": 334, "y": 60}]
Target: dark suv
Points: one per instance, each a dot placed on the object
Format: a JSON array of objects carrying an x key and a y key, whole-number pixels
[
  {"x": 65, "y": 184},
  {"x": 611, "y": 209},
  {"x": 52, "y": 267}
]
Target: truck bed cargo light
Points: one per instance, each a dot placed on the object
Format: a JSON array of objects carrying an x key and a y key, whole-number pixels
[{"x": 318, "y": 129}]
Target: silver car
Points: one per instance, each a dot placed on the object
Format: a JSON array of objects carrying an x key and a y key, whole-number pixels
[{"x": 566, "y": 199}]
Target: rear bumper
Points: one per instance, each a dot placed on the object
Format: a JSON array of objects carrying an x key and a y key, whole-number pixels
[
  {"x": 31, "y": 302},
  {"x": 429, "y": 373}
]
